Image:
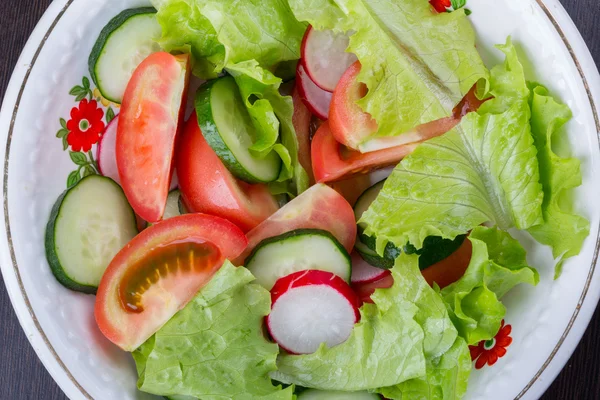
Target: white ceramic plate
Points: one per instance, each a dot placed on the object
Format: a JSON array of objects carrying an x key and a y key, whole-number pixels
[{"x": 547, "y": 322}]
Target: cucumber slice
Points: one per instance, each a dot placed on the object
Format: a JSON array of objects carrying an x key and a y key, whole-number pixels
[
  {"x": 89, "y": 223},
  {"x": 228, "y": 129},
  {"x": 313, "y": 394},
  {"x": 371, "y": 256},
  {"x": 123, "y": 44},
  {"x": 361, "y": 205},
  {"x": 302, "y": 249},
  {"x": 365, "y": 199}
]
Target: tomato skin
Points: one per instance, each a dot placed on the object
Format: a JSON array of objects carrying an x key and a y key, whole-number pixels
[
  {"x": 208, "y": 187},
  {"x": 151, "y": 116},
  {"x": 320, "y": 207},
  {"x": 450, "y": 269},
  {"x": 302, "y": 119},
  {"x": 350, "y": 125},
  {"x": 171, "y": 293},
  {"x": 354, "y": 128},
  {"x": 332, "y": 162},
  {"x": 443, "y": 273}
]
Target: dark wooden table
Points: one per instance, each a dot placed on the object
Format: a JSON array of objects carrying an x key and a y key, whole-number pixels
[{"x": 22, "y": 376}]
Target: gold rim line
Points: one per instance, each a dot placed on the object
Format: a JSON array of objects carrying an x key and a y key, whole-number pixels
[
  {"x": 28, "y": 303},
  {"x": 6, "y": 218}
]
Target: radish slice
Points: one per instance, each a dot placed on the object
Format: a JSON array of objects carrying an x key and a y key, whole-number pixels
[
  {"x": 365, "y": 290},
  {"x": 363, "y": 272},
  {"x": 316, "y": 99},
  {"x": 106, "y": 155},
  {"x": 105, "y": 152},
  {"x": 310, "y": 308},
  {"x": 325, "y": 58}
]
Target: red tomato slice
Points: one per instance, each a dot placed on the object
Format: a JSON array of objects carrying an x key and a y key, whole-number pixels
[
  {"x": 443, "y": 273},
  {"x": 450, "y": 269},
  {"x": 302, "y": 120},
  {"x": 207, "y": 186},
  {"x": 159, "y": 272},
  {"x": 333, "y": 162},
  {"x": 151, "y": 115},
  {"x": 320, "y": 207},
  {"x": 350, "y": 125},
  {"x": 352, "y": 188}
]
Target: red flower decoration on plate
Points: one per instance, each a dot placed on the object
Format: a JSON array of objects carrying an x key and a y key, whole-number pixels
[
  {"x": 85, "y": 126},
  {"x": 440, "y": 5},
  {"x": 489, "y": 351}
]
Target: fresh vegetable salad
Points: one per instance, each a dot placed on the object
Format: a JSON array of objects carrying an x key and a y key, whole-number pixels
[{"x": 310, "y": 199}]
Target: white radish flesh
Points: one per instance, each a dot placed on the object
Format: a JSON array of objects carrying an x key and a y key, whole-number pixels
[
  {"x": 363, "y": 272},
  {"x": 325, "y": 58},
  {"x": 105, "y": 153},
  {"x": 310, "y": 308},
  {"x": 316, "y": 99}
]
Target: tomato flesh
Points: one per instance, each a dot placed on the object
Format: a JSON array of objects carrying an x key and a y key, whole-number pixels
[
  {"x": 443, "y": 273},
  {"x": 208, "y": 187},
  {"x": 159, "y": 272},
  {"x": 449, "y": 270},
  {"x": 320, "y": 207},
  {"x": 350, "y": 125},
  {"x": 151, "y": 115},
  {"x": 178, "y": 257},
  {"x": 333, "y": 162},
  {"x": 302, "y": 119},
  {"x": 353, "y": 127}
]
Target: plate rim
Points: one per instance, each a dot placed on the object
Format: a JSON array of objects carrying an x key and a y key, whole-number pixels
[{"x": 19, "y": 298}]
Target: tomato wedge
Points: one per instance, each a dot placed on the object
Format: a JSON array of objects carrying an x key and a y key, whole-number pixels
[
  {"x": 320, "y": 207},
  {"x": 353, "y": 127},
  {"x": 350, "y": 125},
  {"x": 442, "y": 273},
  {"x": 159, "y": 272},
  {"x": 333, "y": 162},
  {"x": 302, "y": 121},
  {"x": 207, "y": 186},
  {"x": 450, "y": 269},
  {"x": 151, "y": 115}
]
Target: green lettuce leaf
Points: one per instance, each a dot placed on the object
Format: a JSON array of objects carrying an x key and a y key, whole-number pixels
[
  {"x": 417, "y": 64},
  {"x": 498, "y": 263},
  {"x": 214, "y": 348},
  {"x": 446, "y": 377},
  {"x": 407, "y": 325},
  {"x": 562, "y": 230},
  {"x": 271, "y": 114},
  {"x": 225, "y": 32},
  {"x": 485, "y": 170}
]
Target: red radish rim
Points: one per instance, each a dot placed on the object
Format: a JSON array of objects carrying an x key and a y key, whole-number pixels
[
  {"x": 303, "y": 78},
  {"x": 304, "y": 60},
  {"x": 314, "y": 277},
  {"x": 308, "y": 278}
]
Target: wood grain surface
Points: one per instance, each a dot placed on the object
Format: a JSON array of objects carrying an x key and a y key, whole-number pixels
[{"x": 22, "y": 376}]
